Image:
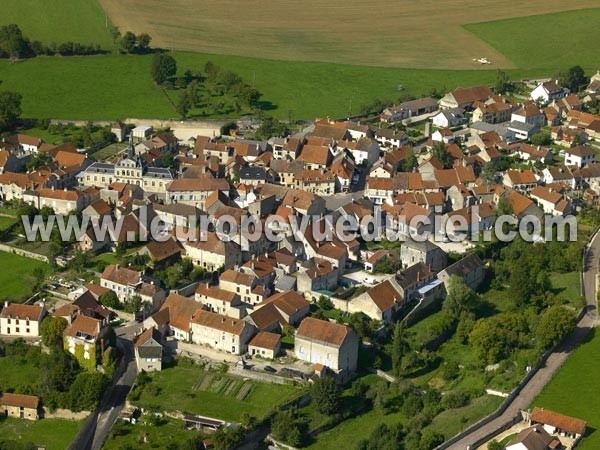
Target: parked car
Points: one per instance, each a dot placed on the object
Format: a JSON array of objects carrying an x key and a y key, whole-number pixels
[{"x": 270, "y": 369}]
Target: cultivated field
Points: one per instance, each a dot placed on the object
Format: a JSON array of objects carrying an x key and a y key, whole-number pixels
[{"x": 404, "y": 33}]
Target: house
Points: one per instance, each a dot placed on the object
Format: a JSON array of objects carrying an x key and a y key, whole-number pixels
[
  {"x": 317, "y": 274},
  {"x": 141, "y": 132},
  {"x": 381, "y": 255},
  {"x": 365, "y": 151},
  {"x": 21, "y": 320},
  {"x": 290, "y": 306},
  {"x": 529, "y": 113},
  {"x": 380, "y": 302},
  {"x": 449, "y": 118},
  {"x": 9, "y": 162},
  {"x": 220, "y": 300},
  {"x": 195, "y": 191},
  {"x": 331, "y": 344},
  {"x": 118, "y": 129},
  {"x": 243, "y": 284},
  {"x": 148, "y": 351},
  {"x": 389, "y": 137},
  {"x": 62, "y": 201},
  {"x": 19, "y": 406},
  {"x": 320, "y": 182},
  {"x": 465, "y": 97},
  {"x": 444, "y": 135},
  {"x": 548, "y": 91},
  {"x": 174, "y": 317},
  {"x": 522, "y": 130},
  {"x": 84, "y": 339},
  {"x": 265, "y": 344},
  {"x": 315, "y": 157},
  {"x": 494, "y": 112},
  {"x": 533, "y": 438},
  {"x": 221, "y": 332},
  {"x": 128, "y": 283},
  {"x": 412, "y": 252},
  {"x": 212, "y": 253},
  {"x": 162, "y": 253},
  {"x": 556, "y": 423},
  {"x": 520, "y": 180},
  {"x": 580, "y": 155},
  {"x": 253, "y": 176},
  {"x": 550, "y": 201},
  {"x": 594, "y": 86},
  {"x": 559, "y": 174},
  {"x": 469, "y": 269},
  {"x": 409, "y": 109}
]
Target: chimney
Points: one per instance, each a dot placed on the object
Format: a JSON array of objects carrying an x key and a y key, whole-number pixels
[
  {"x": 207, "y": 285},
  {"x": 53, "y": 188},
  {"x": 6, "y": 304},
  {"x": 117, "y": 266}
]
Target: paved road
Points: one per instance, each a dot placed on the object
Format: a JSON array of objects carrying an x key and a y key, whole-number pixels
[
  {"x": 96, "y": 428},
  {"x": 555, "y": 360}
]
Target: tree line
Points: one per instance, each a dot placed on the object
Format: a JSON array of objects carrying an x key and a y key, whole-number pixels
[{"x": 14, "y": 45}]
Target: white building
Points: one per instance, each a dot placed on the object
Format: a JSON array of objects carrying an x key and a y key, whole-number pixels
[{"x": 21, "y": 320}]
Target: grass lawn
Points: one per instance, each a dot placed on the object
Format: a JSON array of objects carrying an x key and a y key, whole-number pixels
[
  {"x": 16, "y": 276},
  {"x": 58, "y": 21},
  {"x": 209, "y": 393},
  {"x": 527, "y": 43},
  {"x": 452, "y": 422},
  {"x": 574, "y": 390},
  {"x": 6, "y": 222},
  {"x": 54, "y": 434},
  {"x": 16, "y": 372},
  {"x": 568, "y": 286},
  {"x": 107, "y": 87}
]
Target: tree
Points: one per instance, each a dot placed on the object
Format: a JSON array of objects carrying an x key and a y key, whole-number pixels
[
  {"x": 183, "y": 105},
  {"x": 495, "y": 445},
  {"x": 502, "y": 83},
  {"x": 460, "y": 299},
  {"x": 143, "y": 42},
  {"x": 440, "y": 151},
  {"x": 285, "y": 428},
  {"x": 168, "y": 160},
  {"x": 430, "y": 439},
  {"x": 326, "y": 394},
  {"x": 128, "y": 42},
  {"x": 10, "y": 109},
  {"x": 410, "y": 162},
  {"x": 271, "y": 127},
  {"x": 494, "y": 338},
  {"x": 162, "y": 67},
  {"x": 12, "y": 42},
  {"x": 541, "y": 139},
  {"x": 385, "y": 265},
  {"x": 398, "y": 345},
  {"x": 556, "y": 322},
  {"x": 86, "y": 390},
  {"x": 110, "y": 300},
  {"x": 504, "y": 207},
  {"x": 574, "y": 79},
  {"x": 52, "y": 329}
]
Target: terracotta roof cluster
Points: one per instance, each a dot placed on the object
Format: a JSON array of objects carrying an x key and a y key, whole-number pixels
[
  {"x": 264, "y": 339},
  {"x": 179, "y": 311},
  {"x": 84, "y": 326},
  {"x": 219, "y": 322},
  {"x": 121, "y": 275}
]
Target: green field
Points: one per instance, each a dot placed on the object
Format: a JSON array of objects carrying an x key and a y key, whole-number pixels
[
  {"x": 114, "y": 86},
  {"x": 15, "y": 278},
  {"x": 54, "y": 434},
  {"x": 209, "y": 393},
  {"x": 17, "y": 373},
  {"x": 545, "y": 41},
  {"x": 57, "y": 21},
  {"x": 574, "y": 390},
  {"x": 108, "y": 87}
]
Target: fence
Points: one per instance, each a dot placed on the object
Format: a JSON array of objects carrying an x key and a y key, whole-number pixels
[{"x": 25, "y": 253}]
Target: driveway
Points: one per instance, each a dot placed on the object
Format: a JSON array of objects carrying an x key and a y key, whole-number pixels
[{"x": 531, "y": 390}]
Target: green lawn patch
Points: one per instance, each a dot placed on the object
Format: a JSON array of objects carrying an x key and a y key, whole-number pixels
[
  {"x": 17, "y": 372},
  {"x": 6, "y": 222},
  {"x": 54, "y": 434},
  {"x": 568, "y": 286},
  {"x": 196, "y": 391},
  {"x": 16, "y": 277},
  {"x": 574, "y": 390},
  {"x": 58, "y": 21},
  {"x": 528, "y": 43},
  {"x": 453, "y": 421}
]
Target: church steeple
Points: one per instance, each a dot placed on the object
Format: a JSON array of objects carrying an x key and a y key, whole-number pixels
[{"x": 130, "y": 149}]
